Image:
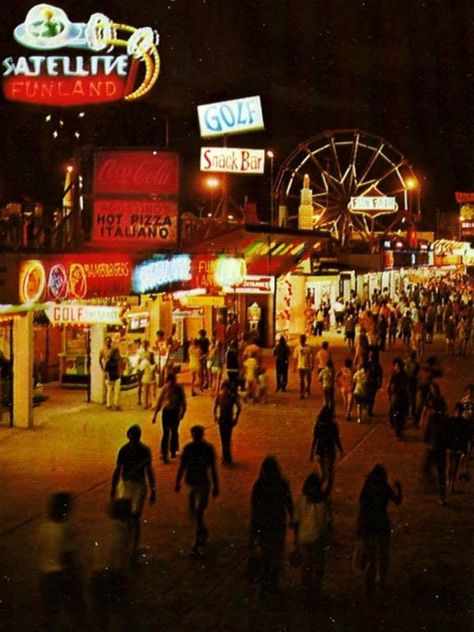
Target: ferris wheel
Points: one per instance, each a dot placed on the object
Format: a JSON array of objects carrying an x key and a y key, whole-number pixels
[{"x": 347, "y": 181}]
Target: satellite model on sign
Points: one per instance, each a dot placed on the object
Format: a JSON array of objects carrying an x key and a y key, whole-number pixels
[{"x": 305, "y": 209}]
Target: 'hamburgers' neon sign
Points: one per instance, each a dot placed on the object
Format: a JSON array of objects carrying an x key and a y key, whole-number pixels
[{"x": 96, "y": 76}]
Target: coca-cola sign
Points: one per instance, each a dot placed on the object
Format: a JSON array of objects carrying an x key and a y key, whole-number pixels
[{"x": 150, "y": 173}]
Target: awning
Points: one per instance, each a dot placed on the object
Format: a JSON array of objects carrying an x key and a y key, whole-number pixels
[{"x": 272, "y": 252}]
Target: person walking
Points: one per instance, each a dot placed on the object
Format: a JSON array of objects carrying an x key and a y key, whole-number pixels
[
  {"x": 60, "y": 581},
  {"x": 232, "y": 365},
  {"x": 450, "y": 332},
  {"x": 392, "y": 328},
  {"x": 204, "y": 345},
  {"x": 373, "y": 526},
  {"x": 147, "y": 370},
  {"x": 304, "y": 363},
  {"x": 110, "y": 362},
  {"x": 227, "y": 410},
  {"x": 310, "y": 526},
  {"x": 361, "y": 355},
  {"x": 398, "y": 393},
  {"x": 458, "y": 444},
  {"x": 327, "y": 377},
  {"x": 412, "y": 368},
  {"x": 349, "y": 331},
  {"x": 161, "y": 348},
  {"x": 134, "y": 463},
  {"x": 344, "y": 379},
  {"x": 250, "y": 366},
  {"x": 172, "y": 400},
  {"x": 382, "y": 330},
  {"x": 406, "y": 325},
  {"x": 111, "y": 581},
  {"x": 360, "y": 386},
  {"x": 319, "y": 321},
  {"x": 437, "y": 440},
  {"x": 281, "y": 352},
  {"x": 374, "y": 380},
  {"x": 197, "y": 460},
  {"x": 271, "y": 510},
  {"x": 194, "y": 353},
  {"x": 216, "y": 361},
  {"x": 325, "y": 441}
]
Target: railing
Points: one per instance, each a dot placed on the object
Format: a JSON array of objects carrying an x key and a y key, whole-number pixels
[{"x": 54, "y": 229}]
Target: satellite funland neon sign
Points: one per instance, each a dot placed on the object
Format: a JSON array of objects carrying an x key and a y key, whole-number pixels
[{"x": 98, "y": 76}]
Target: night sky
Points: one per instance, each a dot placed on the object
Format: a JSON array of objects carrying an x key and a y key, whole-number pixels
[{"x": 399, "y": 69}]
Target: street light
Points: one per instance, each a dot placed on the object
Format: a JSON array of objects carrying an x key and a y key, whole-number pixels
[
  {"x": 271, "y": 155},
  {"x": 212, "y": 184},
  {"x": 412, "y": 184}
]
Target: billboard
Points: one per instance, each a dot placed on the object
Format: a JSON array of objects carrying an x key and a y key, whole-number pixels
[
  {"x": 113, "y": 61},
  {"x": 232, "y": 160},
  {"x": 135, "y": 198},
  {"x": 230, "y": 117},
  {"x": 136, "y": 172}
]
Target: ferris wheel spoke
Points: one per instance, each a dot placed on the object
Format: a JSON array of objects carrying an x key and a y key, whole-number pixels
[
  {"x": 372, "y": 160},
  {"x": 327, "y": 177},
  {"x": 390, "y": 172},
  {"x": 336, "y": 159},
  {"x": 366, "y": 185},
  {"x": 352, "y": 163}
]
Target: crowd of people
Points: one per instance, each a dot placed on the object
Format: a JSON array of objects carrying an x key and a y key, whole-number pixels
[{"x": 407, "y": 323}]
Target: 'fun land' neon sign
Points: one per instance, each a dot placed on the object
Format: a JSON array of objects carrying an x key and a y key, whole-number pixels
[{"x": 94, "y": 77}]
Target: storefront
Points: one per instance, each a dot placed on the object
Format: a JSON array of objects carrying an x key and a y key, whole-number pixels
[
  {"x": 193, "y": 292},
  {"x": 269, "y": 254}
]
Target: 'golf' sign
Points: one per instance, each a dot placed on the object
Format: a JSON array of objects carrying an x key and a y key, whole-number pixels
[{"x": 230, "y": 117}]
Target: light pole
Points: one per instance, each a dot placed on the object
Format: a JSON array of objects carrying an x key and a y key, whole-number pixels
[
  {"x": 411, "y": 184},
  {"x": 212, "y": 184},
  {"x": 271, "y": 155}
]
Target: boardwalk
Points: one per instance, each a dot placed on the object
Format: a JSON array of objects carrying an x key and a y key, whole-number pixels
[{"x": 74, "y": 446}]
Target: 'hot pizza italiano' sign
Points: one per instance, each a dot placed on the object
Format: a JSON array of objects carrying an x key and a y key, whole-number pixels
[
  {"x": 117, "y": 61},
  {"x": 74, "y": 277},
  {"x": 132, "y": 222}
]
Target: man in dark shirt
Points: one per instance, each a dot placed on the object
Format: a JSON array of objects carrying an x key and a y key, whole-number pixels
[
  {"x": 172, "y": 400},
  {"x": 197, "y": 459},
  {"x": 398, "y": 392},
  {"x": 226, "y": 413},
  {"x": 133, "y": 461}
]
